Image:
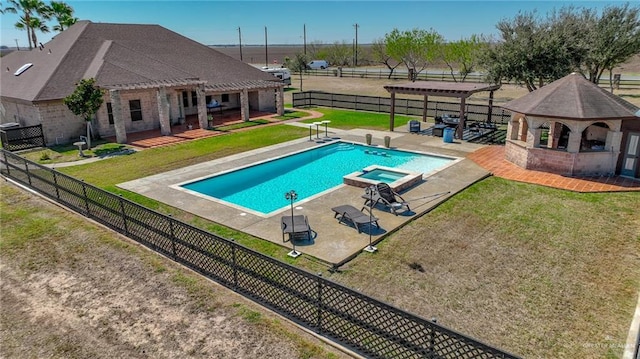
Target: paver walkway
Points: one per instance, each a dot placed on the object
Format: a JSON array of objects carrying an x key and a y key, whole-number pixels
[{"x": 492, "y": 159}]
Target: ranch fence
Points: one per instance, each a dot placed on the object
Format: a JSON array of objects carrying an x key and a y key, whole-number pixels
[
  {"x": 361, "y": 323},
  {"x": 22, "y": 138},
  {"x": 475, "y": 113},
  {"x": 619, "y": 82}
]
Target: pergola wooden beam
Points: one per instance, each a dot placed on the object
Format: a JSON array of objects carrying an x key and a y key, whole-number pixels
[{"x": 460, "y": 90}]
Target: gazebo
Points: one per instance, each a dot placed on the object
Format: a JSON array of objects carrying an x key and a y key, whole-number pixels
[
  {"x": 461, "y": 90},
  {"x": 573, "y": 127}
]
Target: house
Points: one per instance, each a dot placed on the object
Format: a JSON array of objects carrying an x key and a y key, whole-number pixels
[
  {"x": 573, "y": 127},
  {"x": 152, "y": 79}
]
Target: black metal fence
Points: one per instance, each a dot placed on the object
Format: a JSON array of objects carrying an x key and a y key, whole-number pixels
[
  {"x": 22, "y": 138},
  {"x": 478, "y": 113},
  {"x": 359, "y": 322}
]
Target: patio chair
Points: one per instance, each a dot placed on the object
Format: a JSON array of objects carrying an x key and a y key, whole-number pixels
[
  {"x": 357, "y": 217},
  {"x": 295, "y": 225},
  {"x": 388, "y": 197}
]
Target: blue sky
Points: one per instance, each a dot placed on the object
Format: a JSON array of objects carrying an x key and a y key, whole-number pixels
[{"x": 217, "y": 22}]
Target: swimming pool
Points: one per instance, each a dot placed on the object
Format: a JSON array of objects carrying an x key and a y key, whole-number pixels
[{"x": 261, "y": 187}]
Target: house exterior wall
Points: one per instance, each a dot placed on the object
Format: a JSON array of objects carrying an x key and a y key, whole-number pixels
[
  {"x": 148, "y": 103},
  {"x": 266, "y": 101},
  {"x": 59, "y": 124}
]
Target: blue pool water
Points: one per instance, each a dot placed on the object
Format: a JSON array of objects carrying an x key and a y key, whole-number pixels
[{"x": 262, "y": 187}]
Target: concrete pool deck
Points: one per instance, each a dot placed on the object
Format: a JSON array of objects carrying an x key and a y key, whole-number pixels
[{"x": 332, "y": 242}]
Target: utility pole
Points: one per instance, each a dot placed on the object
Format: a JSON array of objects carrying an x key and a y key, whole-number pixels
[
  {"x": 304, "y": 32},
  {"x": 356, "y": 49},
  {"x": 266, "y": 51},
  {"x": 240, "y": 40}
]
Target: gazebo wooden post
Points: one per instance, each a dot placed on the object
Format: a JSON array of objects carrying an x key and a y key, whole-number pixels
[
  {"x": 392, "y": 111},
  {"x": 490, "y": 107},
  {"x": 461, "y": 123},
  {"x": 424, "y": 108}
]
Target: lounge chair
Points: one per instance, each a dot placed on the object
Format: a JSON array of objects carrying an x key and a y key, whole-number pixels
[
  {"x": 388, "y": 197},
  {"x": 292, "y": 226},
  {"x": 358, "y": 218}
]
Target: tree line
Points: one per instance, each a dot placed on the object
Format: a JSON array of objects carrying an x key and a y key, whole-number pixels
[
  {"x": 530, "y": 50},
  {"x": 35, "y": 14}
]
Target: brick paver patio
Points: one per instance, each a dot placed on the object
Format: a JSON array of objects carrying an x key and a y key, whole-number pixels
[{"x": 492, "y": 159}]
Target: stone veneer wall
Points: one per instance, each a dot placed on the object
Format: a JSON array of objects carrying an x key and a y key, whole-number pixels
[{"x": 560, "y": 162}]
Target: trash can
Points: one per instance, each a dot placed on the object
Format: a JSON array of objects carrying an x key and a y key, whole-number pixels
[
  {"x": 368, "y": 137},
  {"x": 387, "y": 141},
  {"x": 414, "y": 126},
  {"x": 448, "y": 135}
]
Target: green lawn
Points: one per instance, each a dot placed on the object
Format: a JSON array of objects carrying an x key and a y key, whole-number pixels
[{"x": 347, "y": 120}]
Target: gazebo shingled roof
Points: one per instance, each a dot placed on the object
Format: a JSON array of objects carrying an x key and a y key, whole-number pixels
[{"x": 573, "y": 97}]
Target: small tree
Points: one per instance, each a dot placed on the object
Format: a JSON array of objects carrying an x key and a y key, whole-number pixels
[
  {"x": 380, "y": 55},
  {"x": 464, "y": 54},
  {"x": 85, "y": 102},
  {"x": 415, "y": 48}
]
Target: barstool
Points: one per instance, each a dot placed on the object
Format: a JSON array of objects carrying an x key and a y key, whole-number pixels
[
  {"x": 317, "y": 124},
  {"x": 326, "y": 132}
]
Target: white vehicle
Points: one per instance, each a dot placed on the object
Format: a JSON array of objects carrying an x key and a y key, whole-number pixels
[
  {"x": 280, "y": 72},
  {"x": 318, "y": 64}
]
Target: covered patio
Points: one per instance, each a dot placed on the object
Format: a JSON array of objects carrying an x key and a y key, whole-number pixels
[{"x": 459, "y": 90}]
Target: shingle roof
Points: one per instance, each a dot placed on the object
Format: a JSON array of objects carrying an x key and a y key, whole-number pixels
[
  {"x": 573, "y": 97},
  {"x": 121, "y": 55}
]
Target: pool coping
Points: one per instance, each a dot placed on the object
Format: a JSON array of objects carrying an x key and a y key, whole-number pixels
[{"x": 332, "y": 242}]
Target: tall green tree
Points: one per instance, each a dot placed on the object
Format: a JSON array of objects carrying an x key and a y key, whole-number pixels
[
  {"x": 380, "y": 55},
  {"x": 463, "y": 54},
  {"x": 85, "y": 101},
  {"x": 63, "y": 13},
  {"x": 30, "y": 10},
  {"x": 613, "y": 39},
  {"x": 414, "y": 48}
]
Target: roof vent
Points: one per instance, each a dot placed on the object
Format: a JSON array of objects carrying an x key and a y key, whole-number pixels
[{"x": 22, "y": 69}]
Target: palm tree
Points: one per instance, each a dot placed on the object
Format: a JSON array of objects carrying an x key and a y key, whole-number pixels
[
  {"x": 30, "y": 9},
  {"x": 63, "y": 13},
  {"x": 37, "y": 24}
]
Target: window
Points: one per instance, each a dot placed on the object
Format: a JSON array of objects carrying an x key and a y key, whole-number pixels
[
  {"x": 207, "y": 99},
  {"x": 185, "y": 99},
  {"x": 110, "y": 113},
  {"x": 225, "y": 97},
  {"x": 136, "y": 110},
  {"x": 194, "y": 99}
]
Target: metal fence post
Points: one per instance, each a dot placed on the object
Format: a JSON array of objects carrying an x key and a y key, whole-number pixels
[
  {"x": 173, "y": 238},
  {"x": 124, "y": 215},
  {"x": 6, "y": 162},
  {"x": 26, "y": 167},
  {"x": 55, "y": 183},
  {"x": 234, "y": 265},
  {"x": 86, "y": 199},
  {"x": 319, "y": 300}
]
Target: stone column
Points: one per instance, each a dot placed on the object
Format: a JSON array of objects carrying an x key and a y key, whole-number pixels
[
  {"x": 244, "y": 105},
  {"x": 575, "y": 138},
  {"x": 118, "y": 120},
  {"x": 555, "y": 128},
  {"x": 174, "y": 106},
  {"x": 202, "y": 107},
  {"x": 280, "y": 101},
  {"x": 534, "y": 137},
  {"x": 524, "y": 128},
  {"x": 163, "y": 111}
]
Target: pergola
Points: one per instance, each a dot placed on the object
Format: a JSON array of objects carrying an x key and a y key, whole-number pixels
[{"x": 460, "y": 90}]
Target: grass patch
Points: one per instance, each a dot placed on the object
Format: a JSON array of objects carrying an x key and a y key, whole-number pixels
[
  {"x": 239, "y": 125},
  {"x": 536, "y": 271},
  {"x": 70, "y": 153},
  {"x": 347, "y": 120},
  {"x": 291, "y": 115}
]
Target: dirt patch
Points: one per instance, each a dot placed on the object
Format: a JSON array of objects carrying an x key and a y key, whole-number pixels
[{"x": 74, "y": 290}]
